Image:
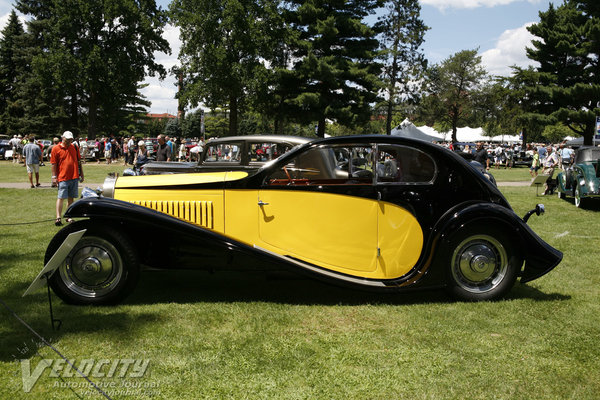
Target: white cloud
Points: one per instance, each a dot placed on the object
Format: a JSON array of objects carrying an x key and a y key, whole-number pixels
[
  {"x": 444, "y": 4},
  {"x": 509, "y": 50},
  {"x": 162, "y": 94}
]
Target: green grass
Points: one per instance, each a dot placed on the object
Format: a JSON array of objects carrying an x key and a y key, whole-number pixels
[{"x": 235, "y": 335}]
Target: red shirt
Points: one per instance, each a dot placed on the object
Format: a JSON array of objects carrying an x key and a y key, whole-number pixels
[{"x": 66, "y": 160}]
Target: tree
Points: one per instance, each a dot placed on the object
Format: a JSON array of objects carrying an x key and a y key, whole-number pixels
[
  {"x": 11, "y": 110},
  {"x": 335, "y": 72},
  {"x": 402, "y": 34},
  {"x": 220, "y": 51},
  {"x": 454, "y": 87},
  {"x": 568, "y": 83},
  {"x": 98, "y": 52}
]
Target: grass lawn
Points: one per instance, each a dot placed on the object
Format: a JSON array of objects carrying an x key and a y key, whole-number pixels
[{"x": 234, "y": 335}]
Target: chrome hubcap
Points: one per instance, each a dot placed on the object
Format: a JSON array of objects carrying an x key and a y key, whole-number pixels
[
  {"x": 479, "y": 263},
  {"x": 93, "y": 268}
]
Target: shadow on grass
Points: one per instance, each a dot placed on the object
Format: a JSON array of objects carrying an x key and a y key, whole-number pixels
[
  {"x": 276, "y": 287},
  {"x": 18, "y": 342},
  {"x": 283, "y": 287},
  {"x": 590, "y": 204}
]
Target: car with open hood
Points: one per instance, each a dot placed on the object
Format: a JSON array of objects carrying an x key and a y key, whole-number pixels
[{"x": 374, "y": 212}]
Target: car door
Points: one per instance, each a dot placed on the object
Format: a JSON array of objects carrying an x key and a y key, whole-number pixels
[
  {"x": 321, "y": 208},
  {"x": 403, "y": 183}
]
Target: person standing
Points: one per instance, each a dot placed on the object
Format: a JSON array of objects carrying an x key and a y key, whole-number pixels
[
  {"x": 33, "y": 155},
  {"x": 66, "y": 172},
  {"x": 163, "y": 152},
  {"x": 130, "y": 150},
  {"x": 481, "y": 155}
]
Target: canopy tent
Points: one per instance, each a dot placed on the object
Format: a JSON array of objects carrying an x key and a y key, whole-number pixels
[
  {"x": 468, "y": 134},
  {"x": 578, "y": 142},
  {"x": 409, "y": 130}
]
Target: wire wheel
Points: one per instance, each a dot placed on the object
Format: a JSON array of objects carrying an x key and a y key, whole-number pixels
[
  {"x": 479, "y": 264},
  {"x": 102, "y": 268},
  {"x": 94, "y": 268}
]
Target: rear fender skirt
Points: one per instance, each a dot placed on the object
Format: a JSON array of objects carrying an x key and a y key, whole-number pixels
[{"x": 540, "y": 257}]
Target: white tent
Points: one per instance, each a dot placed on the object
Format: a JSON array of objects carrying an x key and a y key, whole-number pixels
[
  {"x": 408, "y": 129},
  {"x": 468, "y": 134}
]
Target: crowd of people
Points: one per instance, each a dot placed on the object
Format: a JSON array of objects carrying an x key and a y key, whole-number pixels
[{"x": 543, "y": 157}]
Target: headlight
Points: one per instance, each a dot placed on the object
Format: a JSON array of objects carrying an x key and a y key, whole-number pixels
[{"x": 108, "y": 189}]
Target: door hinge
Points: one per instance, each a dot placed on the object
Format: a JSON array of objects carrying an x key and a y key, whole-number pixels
[{"x": 378, "y": 252}]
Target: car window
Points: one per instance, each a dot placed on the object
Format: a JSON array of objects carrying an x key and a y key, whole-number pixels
[
  {"x": 404, "y": 165},
  {"x": 223, "y": 152},
  {"x": 266, "y": 151},
  {"x": 327, "y": 165}
]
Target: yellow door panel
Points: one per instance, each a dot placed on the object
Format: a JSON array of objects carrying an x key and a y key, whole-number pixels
[
  {"x": 400, "y": 240},
  {"x": 330, "y": 230},
  {"x": 241, "y": 220}
]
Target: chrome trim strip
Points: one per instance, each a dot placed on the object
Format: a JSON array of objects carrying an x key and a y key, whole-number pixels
[{"x": 331, "y": 274}]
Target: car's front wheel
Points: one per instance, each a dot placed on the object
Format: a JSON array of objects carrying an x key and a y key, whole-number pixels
[
  {"x": 578, "y": 199},
  {"x": 102, "y": 268},
  {"x": 483, "y": 266}
]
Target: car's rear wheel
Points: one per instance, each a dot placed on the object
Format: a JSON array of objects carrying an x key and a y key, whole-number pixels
[
  {"x": 483, "y": 265},
  {"x": 102, "y": 268}
]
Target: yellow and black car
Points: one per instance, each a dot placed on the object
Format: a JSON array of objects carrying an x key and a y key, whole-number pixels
[{"x": 375, "y": 212}]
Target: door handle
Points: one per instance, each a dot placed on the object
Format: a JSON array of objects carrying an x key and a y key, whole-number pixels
[{"x": 262, "y": 203}]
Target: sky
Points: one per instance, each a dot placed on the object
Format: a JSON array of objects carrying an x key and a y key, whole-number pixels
[{"x": 497, "y": 28}]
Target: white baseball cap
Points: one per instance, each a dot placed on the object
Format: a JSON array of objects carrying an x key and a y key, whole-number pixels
[{"x": 67, "y": 135}]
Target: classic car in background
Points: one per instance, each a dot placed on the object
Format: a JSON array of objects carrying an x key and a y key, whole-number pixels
[
  {"x": 238, "y": 153},
  {"x": 4, "y": 146},
  {"x": 581, "y": 180},
  {"x": 374, "y": 212}
]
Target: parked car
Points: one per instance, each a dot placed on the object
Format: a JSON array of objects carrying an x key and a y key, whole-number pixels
[
  {"x": 239, "y": 153},
  {"x": 581, "y": 180},
  {"x": 374, "y": 212},
  {"x": 4, "y": 145}
]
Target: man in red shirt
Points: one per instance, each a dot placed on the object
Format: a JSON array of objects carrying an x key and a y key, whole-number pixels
[{"x": 66, "y": 171}]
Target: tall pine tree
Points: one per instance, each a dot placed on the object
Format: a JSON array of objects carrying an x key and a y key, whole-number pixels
[
  {"x": 402, "y": 34},
  {"x": 568, "y": 82},
  {"x": 11, "y": 109},
  {"x": 336, "y": 75}
]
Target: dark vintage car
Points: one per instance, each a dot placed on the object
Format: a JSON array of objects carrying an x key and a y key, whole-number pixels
[
  {"x": 240, "y": 153},
  {"x": 4, "y": 146},
  {"x": 581, "y": 180},
  {"x": 374, "y": 212}
]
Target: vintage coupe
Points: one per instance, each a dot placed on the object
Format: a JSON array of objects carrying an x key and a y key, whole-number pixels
[
  {"x": 233, "y": 153},
  {"x": 374, "y": 212},
  {"x": 582, "y": 179}
]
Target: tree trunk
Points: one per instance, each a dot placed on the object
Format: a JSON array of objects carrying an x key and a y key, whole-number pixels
[
  {"x": 321, "y": 128},
  {"x": 588, "y": 134},
  {"x": 92, "y": 117},
  {"x": 388, "y": 119},
  {"x": 74, "y": 117},
  {"x": 233, "y": 116}
]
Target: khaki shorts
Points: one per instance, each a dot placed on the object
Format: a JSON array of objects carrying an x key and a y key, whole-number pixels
[{"x": 33, "y": 168}]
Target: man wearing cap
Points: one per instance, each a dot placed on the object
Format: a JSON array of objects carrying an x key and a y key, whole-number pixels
[{"x": 66, "y": 171}]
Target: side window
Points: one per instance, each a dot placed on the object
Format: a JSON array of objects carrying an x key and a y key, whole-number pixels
[
  {"x": 266, "y": 151},
  {"x": 402, "y": 164},
  {"x": 327, "y": 165},
  {"x": 223, "y": 152}
]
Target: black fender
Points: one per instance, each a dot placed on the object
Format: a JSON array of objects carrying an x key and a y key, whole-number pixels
[
  {"x": 540, "y": 258},
  {"x": 163, "y": 241}
]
